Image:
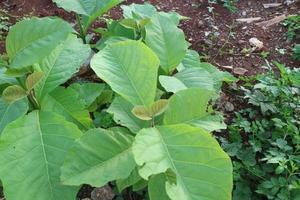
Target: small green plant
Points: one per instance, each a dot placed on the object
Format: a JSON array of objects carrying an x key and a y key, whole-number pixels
[
  {"x": 229, "y": 4},
  {"x": 4, "y": 23},
  {"x": 264, "y": 139},
  {"x": 127, "y": 130},
  {"x": 293, "y": 25}
]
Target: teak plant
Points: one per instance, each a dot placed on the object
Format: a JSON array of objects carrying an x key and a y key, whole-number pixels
[{"x": 162, "y": 111}]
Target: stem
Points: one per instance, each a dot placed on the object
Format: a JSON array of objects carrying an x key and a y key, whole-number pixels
[
  {"x": 33, "y": 100},
  {"x": 81, "y": 29}
]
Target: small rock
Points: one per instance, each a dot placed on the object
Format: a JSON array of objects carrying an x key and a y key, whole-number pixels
[
  {"x": 102, "y": 193},
  {"x": 271, "y": 5},
  {"x": 256, "y": 43},
  {"x": 248, "y": 20},
  {"x": 200, "y": 24},
  {"x": 229, "y": 107},
  {"x": 81, "y": 199},
  {"x": 244, "y": 13},
  {"x": 241, "y": 42},
  {"x": 240, "y": 71}
]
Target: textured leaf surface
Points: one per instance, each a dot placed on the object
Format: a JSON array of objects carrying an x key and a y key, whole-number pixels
[
  {"x": 157, "y": 187},
  {"x": 29, "y": 41},
  {"x": 121, "y": 109},
  {"x": 137, "y": 10},
  {"x": 190, "y": 107},
  {"x": 11, "y": 111},
  {"x": 61, "y": 64},
  {"x": 68, "y": 103},
  {"x": 132, "y": 179},
  {"x": 187, "y": 78},
  {"x": 130, "y": 68},
  {"x": 13, "y": 93},
  {"x": 166, "y": 40},
  {"x": 98, "y": 157},
  {"x": 5, "y": 78},
  {"x": 88, "y": 91},
  {"x": 34, "y": 146},
  {"x": 203, "y": 170},
  {"x": 87, "y": 7},
  {"x": 33, "y": 79}
]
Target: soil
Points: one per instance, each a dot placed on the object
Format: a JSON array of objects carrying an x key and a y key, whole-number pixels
[{"x": 216, "y": 35}]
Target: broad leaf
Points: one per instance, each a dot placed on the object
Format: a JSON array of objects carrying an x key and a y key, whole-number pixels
[
  {"x": 35, "y": 146},
  {"x": 187, "y": 78},
  {"x": 139, "y": 11},
  {"x": 98, "y": 157},
  {"x": 88, "y": 91},
  {"x": 132, "y": 179},
  {"x": 156, "y": 109},
  {"x": 33, "y": 79},
  {"x": 5, "y": 79},
  {"x": 14, "y": 93},
  {"x": 157, "y": 187},
  {"x": 61, "y": 64},
  {"x": 121, "y": 109},
  {"x": 191, "y": 107},
  {"x": 202, "y": 168},
  {"x": 29, "y": 41},
  {"x": 166, "y": 40},
  {"x": 68, "y": 103},
  {"x": 130, "y": 68},
  {"x": 11, "y": 111}
]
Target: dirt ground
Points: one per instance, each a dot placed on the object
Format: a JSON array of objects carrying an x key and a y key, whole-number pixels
[{"x": 216, "y": 35}]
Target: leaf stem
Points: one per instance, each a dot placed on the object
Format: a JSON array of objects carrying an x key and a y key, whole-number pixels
[{"x": 81, "y": 29}]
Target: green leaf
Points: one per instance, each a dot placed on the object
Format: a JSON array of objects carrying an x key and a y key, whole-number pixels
[
  {"x": 166, "y": 40},
  {"x": 11, "y": 111},
  {"x": 157, "y": 188},
  {"x": 5, "y": 79},
  {"x": 187, "y": 78},
  {"x": 141, "y": 11},
  {"x": 190, "y": 107},
  {"x": 88, "y": 91},
  {"x": 98, "y": 157},
  {"x": 68, "y": 103},
  {"x": 121, "y": 109},
  {"x": 35, "y": 146},
  {"x": 92, "y": 8},
  {"x": 132, "y": 179},
  {"x": 33, "y": 79},
  {"x": 156, "y": 109},
  {"x": 14, "y": 93},
  {"x": 202, "y": 168},
  {"x": 190, "y": 60},
  {"x": 61, "y": 64},
  {"x": 31, "y": 40},
  {"x": 130, "y": 68}
]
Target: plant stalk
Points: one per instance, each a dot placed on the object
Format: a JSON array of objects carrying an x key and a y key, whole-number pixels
[{"x": 81, "y": 29}]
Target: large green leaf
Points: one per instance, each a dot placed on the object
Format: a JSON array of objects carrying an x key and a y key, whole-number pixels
[
  {"x": 91, "y": 9},
  {"x": 191, "y": 107},
  {"x": 88, "y": 91},
  {"x": 5, "y": 79},
  {"x": 31, "y": 40},
  {"x": 121, "y": 109},
  {"x": 69, "y": 104},
  {"x": 98, "y": 157},
  {"x": 166, "y": 40},
  {"x": 187, "y": 78},
  {"x": 203, "y": 170},
  {"x": 11, "y": 111},
  {"x": 141, "y": 11},
  {"x": 130, "y": 68},
  {"x": 192, "y": 60},
  {"x": 32, "y": 150},
  {"x": 157, "y": 187},
  {"x": 61, "y": 64}
]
